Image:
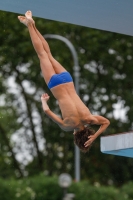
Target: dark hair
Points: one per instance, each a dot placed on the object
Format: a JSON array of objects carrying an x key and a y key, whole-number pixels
[{"x": 81, "y": 137}]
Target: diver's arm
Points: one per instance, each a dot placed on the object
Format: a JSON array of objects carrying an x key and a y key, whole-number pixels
[
  {"x": 104, "y": 122},
  {"x": 99, "y": 120},
  {"x": 45, "y": 97},
  {"x": 54, "y": 117}
]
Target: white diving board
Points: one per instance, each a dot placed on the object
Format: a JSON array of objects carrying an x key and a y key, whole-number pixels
[
  {"x": 110, "y": 15},
  {"x": 119, "y": 144}
]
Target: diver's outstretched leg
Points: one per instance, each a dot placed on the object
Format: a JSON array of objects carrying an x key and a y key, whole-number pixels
[
  {"x": 45, "y": 63},
  {"x": 57, "y": 66}
]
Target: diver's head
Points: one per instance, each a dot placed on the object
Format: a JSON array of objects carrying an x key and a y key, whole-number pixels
[{"x": 80, "y": 137}]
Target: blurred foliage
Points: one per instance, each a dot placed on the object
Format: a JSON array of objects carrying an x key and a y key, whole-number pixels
[
  {"x": 42, "y": 187},
  {"x": 106, "y": 68}
]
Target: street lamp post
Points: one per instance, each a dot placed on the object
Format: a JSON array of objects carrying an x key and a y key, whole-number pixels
[
  {"x": 76, "y": 74},
  {"x": 65, "y": 181}
]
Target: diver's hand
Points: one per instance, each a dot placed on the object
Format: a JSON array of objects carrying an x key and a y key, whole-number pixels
[
  {"x": 91, "y": 139},
  {"x": 45, "y": 97}
]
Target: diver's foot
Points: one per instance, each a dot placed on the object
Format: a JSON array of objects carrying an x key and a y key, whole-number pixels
[
  {"x": 28, "y": 15},
  {"x": 23, "y": 20}
]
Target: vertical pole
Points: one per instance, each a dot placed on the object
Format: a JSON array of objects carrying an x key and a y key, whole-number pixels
[{"x": 77, "y": 151}]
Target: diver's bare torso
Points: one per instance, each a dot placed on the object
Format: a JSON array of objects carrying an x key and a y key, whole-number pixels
[
  {"x": 74, "y": 111},
  {"x": 75, "y": 114}
]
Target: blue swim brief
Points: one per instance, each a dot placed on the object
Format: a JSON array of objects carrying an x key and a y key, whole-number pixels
[{"x": 58, "y": 79}]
